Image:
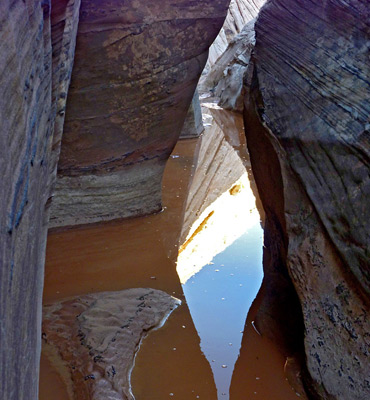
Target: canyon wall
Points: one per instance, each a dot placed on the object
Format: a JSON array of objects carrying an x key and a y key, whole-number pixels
[
  {"x": 136, "y": 67},
  {"x": 225, "y": 77},
  {"x": 229, "y": 55},
  {"x": 307, "y": 126},
  {"x": 240, "y": 13},
  {"x": 36, "y": 54}
]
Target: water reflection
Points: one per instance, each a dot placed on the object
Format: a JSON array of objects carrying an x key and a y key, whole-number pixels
[
  {"x": 220, "y": 260},
  {"x": 219, "y": 297},
  {"x": 143, "y": 252}
]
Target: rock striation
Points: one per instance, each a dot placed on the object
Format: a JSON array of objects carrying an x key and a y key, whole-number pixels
[
  {"x": 136, "y": 67},
  {"x": 221, "y": 148},
  {"x": 307, "y": 125},
  {"x": 36, "y": 54},
  {"x": 225, "y": 77},
  {"x": 94, "y": 338},
  {"x": 216, "y": 193},
  {"x": 240, "y": 13}
]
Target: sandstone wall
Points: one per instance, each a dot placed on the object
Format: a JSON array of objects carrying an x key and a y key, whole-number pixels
[
  {"x": 225, "y": 77},
  {"x": 240, "y": 13},
  {"x": 307, "y": 123},
  {"x": 136, "y": 68},
  {"x": 36, "y": 53}
]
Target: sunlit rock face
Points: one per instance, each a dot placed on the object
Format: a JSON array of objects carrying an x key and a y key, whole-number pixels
[
  {"x": 220, "y": 205},
  {"x": 307, "y": 124},
  {"x": 221, "y": 148},
  {"x": 36, "y": 52},
  {"x": 230, "y": 54},
  {"x": 240, "y": 13},
  {"x": 93, "y": 339},
  {"x": 136, "y": 67},
  {"x": 225, "y": 77}
]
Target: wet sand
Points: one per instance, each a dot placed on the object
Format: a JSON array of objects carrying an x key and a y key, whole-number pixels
[{"x": 142, "y": 252}]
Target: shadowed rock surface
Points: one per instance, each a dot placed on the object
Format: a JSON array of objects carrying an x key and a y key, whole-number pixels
[
  {"x": 36, "y": 55},
  {"x": 37, "y": 52},
  {"x": 307, "y": 125},
  {"x": 94, "y": 338},
  {"x": 193, "y": 124},
  {"x": 136, "y": 67}
]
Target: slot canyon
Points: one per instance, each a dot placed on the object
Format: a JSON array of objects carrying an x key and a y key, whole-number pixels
[{"x": 185, "y": 192}]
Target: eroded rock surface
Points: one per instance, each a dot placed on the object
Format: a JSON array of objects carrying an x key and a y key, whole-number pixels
[
  {"x": 93, "y": 339},
  {"x": 36, "y": 53},
  {"x": 240, "y": 13},
  {"x": 218, "y": 189},
  {"x": 136, "y": 67},
  {"x": 225, "y": 77},
  {"x": 307, "y": 124}
]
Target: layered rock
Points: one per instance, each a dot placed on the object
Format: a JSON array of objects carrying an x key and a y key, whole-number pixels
[
  {"x": 240, "y": 13},
  {"x": 307, "y": 125},
  {"x": 225, "y": 77},
  {"x": 216, "y": 153},
  {"x": 36, "y": 47},
  {"x": 230, "y": 54},
  {"x": 136, "y": 68},
  {"x": 94, "y": 338}
]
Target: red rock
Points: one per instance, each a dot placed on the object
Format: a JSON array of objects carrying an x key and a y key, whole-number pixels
[{"x": 135, "y": 71}]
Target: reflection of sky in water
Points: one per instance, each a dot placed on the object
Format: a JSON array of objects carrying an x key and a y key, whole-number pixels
[{"x": 219, "y": 302}]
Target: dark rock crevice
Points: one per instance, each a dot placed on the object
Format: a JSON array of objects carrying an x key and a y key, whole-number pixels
[{"x": 280, "y": 316}]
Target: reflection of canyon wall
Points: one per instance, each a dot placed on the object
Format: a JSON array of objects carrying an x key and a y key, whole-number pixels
[
  {"x": 135, "y": 71},
  {"x": 193, "y": 124},
  {"x": 215, "y": 154},
  {"x": 36, "y": 47},
  {"x": 307, "y": 123},
  {"x": 219, "y": 225}
]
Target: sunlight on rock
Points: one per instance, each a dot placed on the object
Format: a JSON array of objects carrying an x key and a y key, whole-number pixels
[{"x": 220, "y": 224}]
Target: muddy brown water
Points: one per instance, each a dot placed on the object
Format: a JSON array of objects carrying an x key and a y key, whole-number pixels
[{"x": 143, "y": 252}]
